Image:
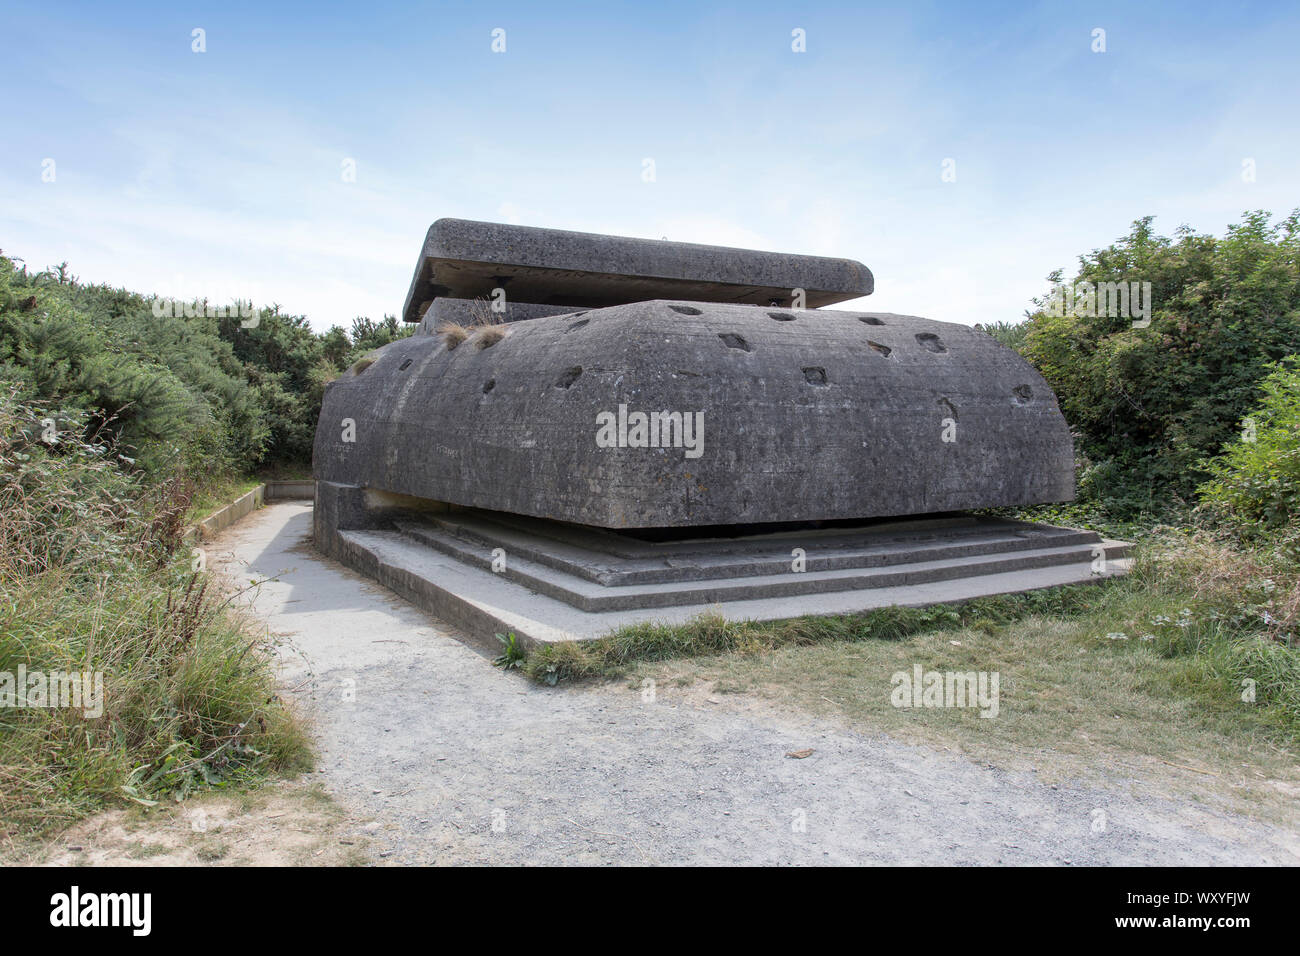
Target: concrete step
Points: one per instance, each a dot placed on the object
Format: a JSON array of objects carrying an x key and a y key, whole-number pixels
[
  {"x": 484, "y": 603},
  {"x": 749, "y": 556},
  {"x": 629, "y": 546},
  {"x": 590, "y": 596}
]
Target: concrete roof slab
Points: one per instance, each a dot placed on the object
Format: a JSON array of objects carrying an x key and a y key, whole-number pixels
[{"x": 468, "y": 259}]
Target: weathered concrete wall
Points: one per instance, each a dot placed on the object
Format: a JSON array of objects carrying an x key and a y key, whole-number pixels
[
  {"x": 284, "y": 490},
  {"x": 807, "y": 415},
  {"x": 348, "y": 507}
]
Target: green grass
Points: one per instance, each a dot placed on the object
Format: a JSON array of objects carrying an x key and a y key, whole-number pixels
[
  {"x": 1198, "y": 618},
  {"x": 94, "y": 578},
  {"x": 189, "y": 697},
  {"x": 609, "y": 657},
  {"x": 217, "y": 492}
]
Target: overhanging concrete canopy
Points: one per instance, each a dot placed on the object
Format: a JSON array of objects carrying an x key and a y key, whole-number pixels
[{"x": 465, "y": 259}]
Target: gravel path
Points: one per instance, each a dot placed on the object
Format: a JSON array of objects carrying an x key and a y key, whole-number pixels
[{"x": 454, "y": 761}]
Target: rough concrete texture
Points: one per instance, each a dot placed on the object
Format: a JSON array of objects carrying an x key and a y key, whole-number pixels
[
  {"x": 465, "y": 259},
  {"x": 614, "y": 560},
  {"x": 806, "y": 416},
  {"x": 296, "y": 488},
  {"x": 427, "y": 746}
]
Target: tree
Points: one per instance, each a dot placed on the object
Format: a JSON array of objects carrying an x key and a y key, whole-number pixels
[{"x": 1150, "y": 404}]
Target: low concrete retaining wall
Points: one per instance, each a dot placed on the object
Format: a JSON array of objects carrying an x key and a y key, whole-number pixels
[
  {"x": 249, "y": 502},
  {"x": 284, "y": 490},
  {"x": 225, "y": 517}
]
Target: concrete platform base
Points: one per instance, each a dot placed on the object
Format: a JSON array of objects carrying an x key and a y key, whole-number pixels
[{"x": 547, "y": 581}]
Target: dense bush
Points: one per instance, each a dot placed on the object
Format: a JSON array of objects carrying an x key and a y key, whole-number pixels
[
  {"x": 1256, "y": 482},
  {"x": 167, "y": 396},
  {"x": 199, "y": 395},
  {"x": 1150, "y": 404}
]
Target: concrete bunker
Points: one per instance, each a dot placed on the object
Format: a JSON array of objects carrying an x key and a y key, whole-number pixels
[{"x": 803, "y": 431}]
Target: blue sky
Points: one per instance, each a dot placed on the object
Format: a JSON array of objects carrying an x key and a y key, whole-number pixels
[{"x": 220, "y": 174}]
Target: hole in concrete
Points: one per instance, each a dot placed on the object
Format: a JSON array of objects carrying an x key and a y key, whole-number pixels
[
  {"x": 815, "y": 375},
  {"x": 491, "y": 384},
  {"x": 870, "y": 320},
  {"x": 569, "y": 376},
  {"x": 576, "y": 325},
  {"x": 882, "y": 349},
  {"x": 782, "y": 316},
  {"x": 1023, "y": 393},
  {"x": 930, "y": 342},
  {"x": 404, "y": 366},
  {"x": 734, "y": 341},
  {"x": 685, "y": 310}
]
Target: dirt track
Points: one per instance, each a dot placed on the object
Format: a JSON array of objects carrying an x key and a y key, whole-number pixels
[{"x": 440, "y": 758}]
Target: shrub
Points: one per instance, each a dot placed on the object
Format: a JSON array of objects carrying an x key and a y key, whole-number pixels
[
  {"x": 1256, "y": 481},
  {"x": 1150, "y": 404},
  {"x": 187, "y": 392},
  {"x": 1010, "y": 334}
]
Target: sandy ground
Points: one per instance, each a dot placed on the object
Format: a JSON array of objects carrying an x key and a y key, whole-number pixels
[
  {"x": 432, "y": 756},
  {"x": 291, "y": 824}
]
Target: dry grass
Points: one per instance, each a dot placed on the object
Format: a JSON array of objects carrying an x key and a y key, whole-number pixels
[
  {"x": 1211, "y": 570},
  {"x": 484, "y": 334},
  {"x": 94, "y": 579},
  {"x": 363, "y": 363},
  {"x": 489, "y": 335},
  {"x": 453, "y": 334},
  {"x": 481, "y": 310}
]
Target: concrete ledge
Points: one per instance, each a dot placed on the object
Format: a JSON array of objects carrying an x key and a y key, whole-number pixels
[
  {"x": 247, "y": 503},
  {"x": 371, "y": 533},
  {"x": 225, "y": 517},
  {"x": 693, "y": 588}
]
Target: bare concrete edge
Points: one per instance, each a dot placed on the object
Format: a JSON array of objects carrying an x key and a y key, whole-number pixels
[
  {"x": 223, "y": 518},
  {"x": 565, "y": 255}
]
